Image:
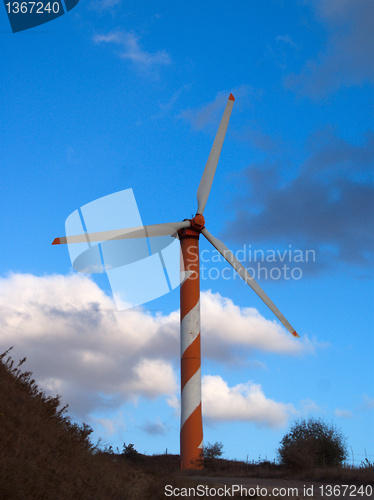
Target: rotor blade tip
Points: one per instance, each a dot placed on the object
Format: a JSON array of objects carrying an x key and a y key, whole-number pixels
[
  {"x": 295, "y": 334},
  {"x": 231, "y": 98},
  {"x": 56, "y": 241}
]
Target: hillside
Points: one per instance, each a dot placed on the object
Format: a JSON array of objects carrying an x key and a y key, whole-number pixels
[{"x": 43, "y": 455}]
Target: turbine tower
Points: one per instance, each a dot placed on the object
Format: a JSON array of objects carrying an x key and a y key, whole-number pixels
[{"x": 188, "y": 232}]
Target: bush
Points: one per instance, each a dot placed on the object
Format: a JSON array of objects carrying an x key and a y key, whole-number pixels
[
  {"x": 213, "y": 450},
  {"x": 131, "y": 453},
  {"x": 312, "y": 443}
]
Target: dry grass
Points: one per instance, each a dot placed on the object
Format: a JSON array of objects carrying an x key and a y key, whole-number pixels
[{"x": 43, "y": 455}]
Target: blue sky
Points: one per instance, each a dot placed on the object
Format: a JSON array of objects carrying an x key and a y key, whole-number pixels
[{"x": 117, "y": 95}]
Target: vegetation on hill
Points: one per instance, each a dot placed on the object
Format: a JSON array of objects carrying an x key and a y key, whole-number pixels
[
  {"x": 311, "y": 443},
  {"x": 45, "y": 456}
]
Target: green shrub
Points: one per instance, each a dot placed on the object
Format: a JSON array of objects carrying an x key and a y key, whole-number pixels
[
  {"x": 131, "y": 453},
  {"x": 311, "y": 443},
  {"x": 213, "y": 450}
]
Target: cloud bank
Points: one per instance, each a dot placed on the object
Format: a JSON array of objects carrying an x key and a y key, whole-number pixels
[
  {"x": 243, "y": 402},
  {"x": 208, "y": 115},
  {"x": 132, "y": 50},
  {"x": 79, "y": 346},
  {"x": 347, "y": 58},
  {"x": 327, "y": 207}
]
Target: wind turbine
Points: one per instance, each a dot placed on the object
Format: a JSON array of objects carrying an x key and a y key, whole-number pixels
[{"x": 188, "y": 232}]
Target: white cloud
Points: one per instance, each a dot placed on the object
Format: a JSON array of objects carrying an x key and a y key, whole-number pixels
[
  {"x": 309, "y": 406},
  {"x": 132, "y": 50},
  {"x": 211, "y": 112},
  {"x": 112, "y": 425},
  {"x": 343, "y": 413},
  {"x": 79, "y": 346},
  {"x": 101, "y": 5},
  {"x": 368, "y": 403},
  {"x": 151, "y": 374},
  {"x": 286, "y": 39},
  {"x": 155, "y": 427},
  {"x": 226, "y": 326},
  {"x": 282, "y": 51},
  {"x": 166, "y": 107},
  {"x": 244, "y": 402}
]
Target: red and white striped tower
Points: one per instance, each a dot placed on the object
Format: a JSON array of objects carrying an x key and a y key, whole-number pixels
[
  {"x": 191, "y": 437},
  {"x": 191, "y": 444}
]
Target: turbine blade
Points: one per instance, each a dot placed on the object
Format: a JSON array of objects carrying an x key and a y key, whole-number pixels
[
  {"x": 166, "y": 229},
  {"x": 241, "y": 270},
  {"x": 211, "y": 165}
]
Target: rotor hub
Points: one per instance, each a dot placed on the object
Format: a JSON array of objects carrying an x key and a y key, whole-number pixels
[
  {"x": 197, "y": 225},
  {"x": 198, "y": 222}
]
